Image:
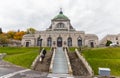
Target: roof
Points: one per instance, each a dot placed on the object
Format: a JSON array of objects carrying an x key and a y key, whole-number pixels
[
  {"x": 91, "y": 36},
  {"x": 60, "y": 16},
  {"x": 28, "y": 35}
]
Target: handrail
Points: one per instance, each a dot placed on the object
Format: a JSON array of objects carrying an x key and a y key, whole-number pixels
[
  {"x": 68, "y": 62},
  {"x": 51, "y": 64}
]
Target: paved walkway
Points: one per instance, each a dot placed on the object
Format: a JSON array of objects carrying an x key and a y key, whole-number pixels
[
  {"x": 8, "y": 70},
  {"x": 60, "y": 62}
]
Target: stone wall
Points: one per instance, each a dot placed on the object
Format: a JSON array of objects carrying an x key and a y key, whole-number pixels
[{"x": 88, "y": 67}]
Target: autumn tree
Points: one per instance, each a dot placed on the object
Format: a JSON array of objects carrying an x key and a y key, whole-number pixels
[
  {"x": 31, "y": 31},
  {"x": 19, "y": 35},
  {"x": 3, "y": 39},
  {"x": 10, "y": 34}
]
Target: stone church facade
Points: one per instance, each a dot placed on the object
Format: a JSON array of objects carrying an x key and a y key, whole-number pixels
[
  {"x": 115, "y": 39},
  {"x": 60, "y": 33}
]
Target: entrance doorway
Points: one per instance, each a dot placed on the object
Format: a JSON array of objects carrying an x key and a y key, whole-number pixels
[
  {"x": 27, "y": 44},
  {"x": 59, "y": 41},
  {"x": 92, "y": 44}
]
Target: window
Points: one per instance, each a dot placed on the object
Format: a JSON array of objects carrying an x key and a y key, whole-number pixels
[
  {"x": 60, "y": 25},
  {"x": 116, "y": 38},
  {"x": 69, "y": 41},
  {"x": 39, "y": 41},
  {"x": 79, "y": 42},
  {"x": 117, "y": 42},
  {"x": 49, "y": 42}
]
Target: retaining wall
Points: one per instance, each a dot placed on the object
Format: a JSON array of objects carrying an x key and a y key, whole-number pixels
[
  {"x": 88, "y": 67},
  {"x": 51, "y": 64},
  {"x": 68, "y": 62}
]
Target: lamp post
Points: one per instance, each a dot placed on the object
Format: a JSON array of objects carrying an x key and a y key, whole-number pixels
[
  {"x": 79, "y": 43},
  {"x": 54, "y": 43},
  {"x": 40, "y": 43},
  {"x": 64, "y": 44}
]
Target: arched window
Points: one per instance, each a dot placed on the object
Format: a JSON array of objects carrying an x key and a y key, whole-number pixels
[
  {"x": 69, "y": 41},
  {"x": 60, "y": 25},
  {"x": 49, "y": 42},
  {"x": 79, "y": 41},
  {"x": 39, "y": 41}
]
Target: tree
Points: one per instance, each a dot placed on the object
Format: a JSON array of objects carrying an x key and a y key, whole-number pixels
[
  {"x": 1, "y": 31},
  {"x": 108, "y": 43},
  {"x": 10, "y": 34},
  {"x": 3, "y": 39},
  {"x": 31, "y": 31},
  {"x": 19, "y": 35}
]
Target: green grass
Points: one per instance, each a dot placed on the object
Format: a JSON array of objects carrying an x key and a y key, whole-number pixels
[
  {"x": 20, "y": 55},
  {"x": 72, "y": 49},
  {"x": 104, "y": 57},
  {"x": 47, "y": 49}
]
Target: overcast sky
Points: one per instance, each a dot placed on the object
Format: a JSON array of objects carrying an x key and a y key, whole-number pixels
[{"x": 100, "y": 17}]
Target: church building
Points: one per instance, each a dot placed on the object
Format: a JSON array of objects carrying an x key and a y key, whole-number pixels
[{"x": 60, "y": 34}]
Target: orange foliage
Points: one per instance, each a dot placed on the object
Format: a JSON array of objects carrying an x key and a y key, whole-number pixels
[{"x": 19, "y": 35}]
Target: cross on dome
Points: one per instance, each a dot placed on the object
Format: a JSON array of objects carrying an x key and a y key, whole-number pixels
[{"x": 61, "y": 11}]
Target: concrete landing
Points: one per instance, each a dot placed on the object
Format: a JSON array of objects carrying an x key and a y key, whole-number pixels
[{"x": 59, "y": 76}]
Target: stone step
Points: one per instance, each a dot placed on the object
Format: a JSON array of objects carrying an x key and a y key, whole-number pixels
[
  {"x": 60, "y": 76},
  {"x": 60, "y": 62}
]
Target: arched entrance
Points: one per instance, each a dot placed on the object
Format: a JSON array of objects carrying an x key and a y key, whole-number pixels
[
  {"x": 92, "y": 44},
  {"x": 27, "y": 44},
  {"x": 59, "y": 41}
]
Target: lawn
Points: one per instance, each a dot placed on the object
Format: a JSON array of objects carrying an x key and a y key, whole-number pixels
[
  {"x": 104, "y": 57},
  {"x": 22, "y": 56}
]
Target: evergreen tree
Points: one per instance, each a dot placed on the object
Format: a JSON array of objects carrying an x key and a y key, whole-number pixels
[
  {"x": 0, "y": 30},
  {"x": 108, "y": 43}
]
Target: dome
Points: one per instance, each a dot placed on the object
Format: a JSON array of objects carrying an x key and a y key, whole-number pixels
[{"x": 60, "y": 16}]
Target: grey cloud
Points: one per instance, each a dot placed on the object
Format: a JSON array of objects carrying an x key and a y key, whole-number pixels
[{"x": 99, "y": 17}]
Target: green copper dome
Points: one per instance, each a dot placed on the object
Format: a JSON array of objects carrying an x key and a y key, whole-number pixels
[{"x": 60, "y": 16}]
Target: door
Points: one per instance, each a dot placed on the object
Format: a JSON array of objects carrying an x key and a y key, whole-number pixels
[
  {"x": 59, "y": 42},
  {"x": 27, "y": 44},
  {"x": 92, "y": 44}
]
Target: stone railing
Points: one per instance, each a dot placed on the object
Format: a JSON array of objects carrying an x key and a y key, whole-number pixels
[
  {"x": 68, "y": 62},
  {"x": 88, "y": 67},
  {"x": 51, "y": 64},
  {"x": 36, "y": 60}
]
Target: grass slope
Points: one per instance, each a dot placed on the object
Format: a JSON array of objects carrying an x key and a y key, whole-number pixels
[
  {"x": 20, "y": 55},
  {"x": 104, "y": 57}
]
